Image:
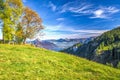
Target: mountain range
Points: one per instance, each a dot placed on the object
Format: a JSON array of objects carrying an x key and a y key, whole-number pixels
[{"x": 59, "y": 44}]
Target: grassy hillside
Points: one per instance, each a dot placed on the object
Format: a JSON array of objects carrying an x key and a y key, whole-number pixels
[{"x": 29, "y": 63}]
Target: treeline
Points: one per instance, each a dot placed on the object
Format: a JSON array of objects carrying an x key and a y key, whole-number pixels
[
  {"x": 18, "y": 22},
  {"x": 110, "y": 37},
  {"x": 109, "y": 40}
]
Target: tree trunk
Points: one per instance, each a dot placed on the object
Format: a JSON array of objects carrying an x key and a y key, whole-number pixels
[{"x": 3, "y": 38}]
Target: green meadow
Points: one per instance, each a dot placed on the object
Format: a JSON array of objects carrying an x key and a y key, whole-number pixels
[{"x": 20, "y": 62}]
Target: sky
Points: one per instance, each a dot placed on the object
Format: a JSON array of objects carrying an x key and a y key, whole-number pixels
[{"x": 76, "y": 18}]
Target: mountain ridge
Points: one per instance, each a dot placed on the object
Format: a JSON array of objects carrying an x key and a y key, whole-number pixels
[
  {"x": 102, "y": 49},
  {"x": 59, "y": 44}
]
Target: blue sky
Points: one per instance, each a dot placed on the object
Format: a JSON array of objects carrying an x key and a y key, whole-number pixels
[{"x": 76, "y": 18}]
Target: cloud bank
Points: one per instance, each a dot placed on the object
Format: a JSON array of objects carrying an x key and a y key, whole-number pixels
[
  {"x": 53, "y": 32},
  {"x": 79, "y": 9}
]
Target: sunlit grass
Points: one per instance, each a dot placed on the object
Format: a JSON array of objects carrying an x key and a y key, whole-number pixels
[{"x": 20, "y": 62}]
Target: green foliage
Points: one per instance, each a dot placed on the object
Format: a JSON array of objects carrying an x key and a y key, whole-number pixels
[
  {"x": 18, "y": 23},
  {"x": 7, "y": 30},
  {"x": 104, "y": 49},
  {"x": 25, "y": 62},
  {"x": 110, "y": 36},
  {"x": 1, "y": 8},
  {"x": 12, "y": 11},
  {"x": 118, "y": 65},
  {"x": 108, "y": 40},
  {"x": 78, "y": 45},
  {"x": 19, "y": 34}
]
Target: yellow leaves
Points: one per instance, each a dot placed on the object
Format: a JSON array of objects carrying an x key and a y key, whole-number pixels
[
  {"x": 18, "y": 3},
  {"x": 31, "y": 15},
  {"x": 32, "y": 23},
  {"x": 19, "y": 34},
  {"x": 12, "y": 12}
]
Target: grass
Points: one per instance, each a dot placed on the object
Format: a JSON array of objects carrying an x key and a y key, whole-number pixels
[{"x": 29, "y": 63}]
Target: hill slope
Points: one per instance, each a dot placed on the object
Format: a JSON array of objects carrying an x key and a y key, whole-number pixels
[
  {"x": 103, "y": 49},
  {"x": 25, "y": 62}
]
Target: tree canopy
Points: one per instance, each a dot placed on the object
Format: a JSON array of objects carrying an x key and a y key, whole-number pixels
[
  {"x": 19, "y": 22},
  {"x": 31, "y": 23}
]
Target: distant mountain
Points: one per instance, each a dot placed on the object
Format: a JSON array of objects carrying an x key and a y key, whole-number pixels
[
  {"x": 104, "y": 49},
  {"x": 74, "y": 48},
  {"x": 59, "y": 44},
  {"x": 45, "y": 44},
  {"x": 65, "y": 43}
]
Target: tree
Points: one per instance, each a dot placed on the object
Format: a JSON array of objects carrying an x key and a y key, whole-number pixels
[
  {"x": 19, "y": 34},
  {"x": 31, "y": 23},
  {"x": 1, "y": 12},
  {"x": 11, "y": 15},
  {"x": 1, "y": 8}
]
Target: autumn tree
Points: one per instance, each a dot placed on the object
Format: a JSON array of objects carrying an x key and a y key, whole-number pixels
[
  {"x": 11, "y": 15},
  {"x": 18, "y": 23},
  {"x": 31, "y": 23}
]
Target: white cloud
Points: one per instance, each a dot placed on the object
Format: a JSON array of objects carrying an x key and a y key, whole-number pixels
[
  {"x": 52, "y": 6},
  {"x": 60, "y": 19},
  {"x": 82, "y": 9},
  {"x": 79, "y": 35},
  {"x": 104, "y": 12},
  {"x": 111, "y": 9},
  {"x": 75, "y": 7},
  {"x": 51, "y": 35},
  {"x": 62, "y": 27},
  {"x": 99, "y": 14},
  {"x": 89, "y": 31},
  {"x": 53, "y": 27},
  {"x": 52, "y": 32},
  {"x": 79, "y": 8},
  {"x": 65, "y": 7}
]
